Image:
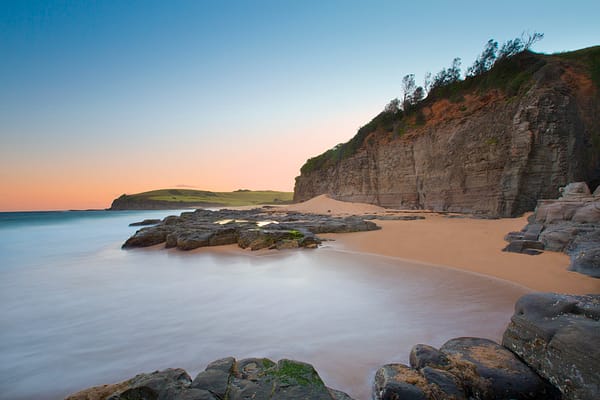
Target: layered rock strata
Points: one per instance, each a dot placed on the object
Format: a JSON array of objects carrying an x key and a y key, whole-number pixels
[
  {"x": 488, "y": 153},
  {"x": 570, "y": 224}
]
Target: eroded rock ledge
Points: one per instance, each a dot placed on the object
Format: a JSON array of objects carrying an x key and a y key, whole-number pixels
[
  {"x": 255, "y": 229},
  {"x": 570, "y": 224}
]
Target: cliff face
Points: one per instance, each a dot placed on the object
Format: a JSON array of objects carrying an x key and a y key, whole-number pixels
[{"x": 488, "y": 153}]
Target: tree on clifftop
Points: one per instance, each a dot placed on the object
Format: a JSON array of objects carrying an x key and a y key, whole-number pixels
[
  {"x": 393, "y": 106},
  {"x": 486, "y": 59},
  {"x": 412, "y": 93},
  {"x": 517, "y": 45},
  {"x": 447, "y": 75}
]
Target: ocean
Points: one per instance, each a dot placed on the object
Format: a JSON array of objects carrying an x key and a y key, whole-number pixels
[{"x": 77, "y": 311}]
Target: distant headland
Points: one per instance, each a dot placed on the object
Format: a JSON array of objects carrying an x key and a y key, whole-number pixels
[{"x": 169, "y": 199}]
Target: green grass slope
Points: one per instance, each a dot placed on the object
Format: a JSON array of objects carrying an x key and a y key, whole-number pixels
[{"x": 186, "y": 197}]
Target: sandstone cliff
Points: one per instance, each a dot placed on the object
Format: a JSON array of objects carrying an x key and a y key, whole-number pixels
[{"x": 493, "y": 144}]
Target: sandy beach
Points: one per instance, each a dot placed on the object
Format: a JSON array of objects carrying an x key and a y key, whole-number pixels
[{"x": 467, "y": 244}]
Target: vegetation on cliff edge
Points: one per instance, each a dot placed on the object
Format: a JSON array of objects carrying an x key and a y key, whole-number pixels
[{"x": 509, "y": 70}]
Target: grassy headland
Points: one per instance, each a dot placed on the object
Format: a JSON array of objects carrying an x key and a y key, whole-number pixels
[{"x": 183, "y": 198}]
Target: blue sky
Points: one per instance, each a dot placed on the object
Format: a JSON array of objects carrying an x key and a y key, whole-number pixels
[{"x": 109, "y": 97}]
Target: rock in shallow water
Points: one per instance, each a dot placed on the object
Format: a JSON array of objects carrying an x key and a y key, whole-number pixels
[
  {"x": 252, "y": 378},
  {"x": 255, "y": 229}
]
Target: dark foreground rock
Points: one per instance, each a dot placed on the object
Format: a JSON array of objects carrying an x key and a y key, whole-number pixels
[
  {"x": 550, "y": 351},
  {"x": 252, "y": 378},
  {"x": 463, "y": 368},
  {"x": 559, "y": 336},
  {"x": 255, "y": 229},
  {"x": 570, "y": 224}
]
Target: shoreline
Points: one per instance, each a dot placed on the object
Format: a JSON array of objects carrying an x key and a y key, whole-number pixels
[
  {"x": 456, "y": 242},
  {"x": 470, "y": 245},
  {"x": 547, "y": 272}
]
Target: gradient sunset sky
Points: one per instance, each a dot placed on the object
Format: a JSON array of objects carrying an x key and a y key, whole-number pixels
[{"x": 100, "y": 98}]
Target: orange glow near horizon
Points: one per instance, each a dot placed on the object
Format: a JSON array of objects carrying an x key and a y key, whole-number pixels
[{"x": 71, "y": 178}]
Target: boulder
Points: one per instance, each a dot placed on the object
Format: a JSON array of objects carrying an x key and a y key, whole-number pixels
[
  {"x": 101, "y": 392},
  {"x": 558, "y": 237},
  {"x": 146, "y": 237},
  {"x": 588, "y": 213},
  {"x": 398, "y": 381},
  {"x": 261, "y": 378},
  {"x": 532, "y": 231},
  {"x": 159, "y": 385},
  {"x": 447, "y": 383},
  {"x": 491, "y": 371},
  {"x": 555, "y": 212},
  {"x": 584, "y": 250},
  {"x": 570, "y": 224},
  {"x": 587, "y": 261},
  {"x": 558, "y": 336},
  {"x": 463, "y": 368},
  {"x": 215, "y": 378},
  {"x": 510, "y": 236},
  {"x": 251, "y": 378},
  {"x": 575, "y": 190},
  {"x": 531, "y": 247},
  {"x": 422, "y": 355}
]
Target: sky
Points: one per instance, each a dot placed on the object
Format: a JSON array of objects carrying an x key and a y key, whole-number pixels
[{"x": 101, "y": 98}]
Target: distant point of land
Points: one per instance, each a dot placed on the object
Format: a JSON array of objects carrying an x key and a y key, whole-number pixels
[{"x": 165, "y": 199}]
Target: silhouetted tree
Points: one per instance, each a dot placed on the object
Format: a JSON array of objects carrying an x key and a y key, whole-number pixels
[
  {"x": 447, "y": 76},
  {"x": 393, "y": 106},
  {"x": 486, "y": 59},
  {"x": 418, "y": 95},
  {"x": 427, "y": 82},
  {"x": 408, "y": 87},
  {"x": 517, "y": 45}
]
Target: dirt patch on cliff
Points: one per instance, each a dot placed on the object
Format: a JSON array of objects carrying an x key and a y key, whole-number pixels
[
  {"x": 445, "y": 110},
  {"x": 578, "y": 82}
]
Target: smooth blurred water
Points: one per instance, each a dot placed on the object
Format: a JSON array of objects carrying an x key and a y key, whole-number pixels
[{"x": 77, "y": 311}]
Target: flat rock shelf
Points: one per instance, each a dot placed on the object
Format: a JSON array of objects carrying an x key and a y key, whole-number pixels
[{"x": 256, "y": 229}]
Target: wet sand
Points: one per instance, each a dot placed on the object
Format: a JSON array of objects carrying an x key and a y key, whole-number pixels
[{"x": 466, "y": 244}]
